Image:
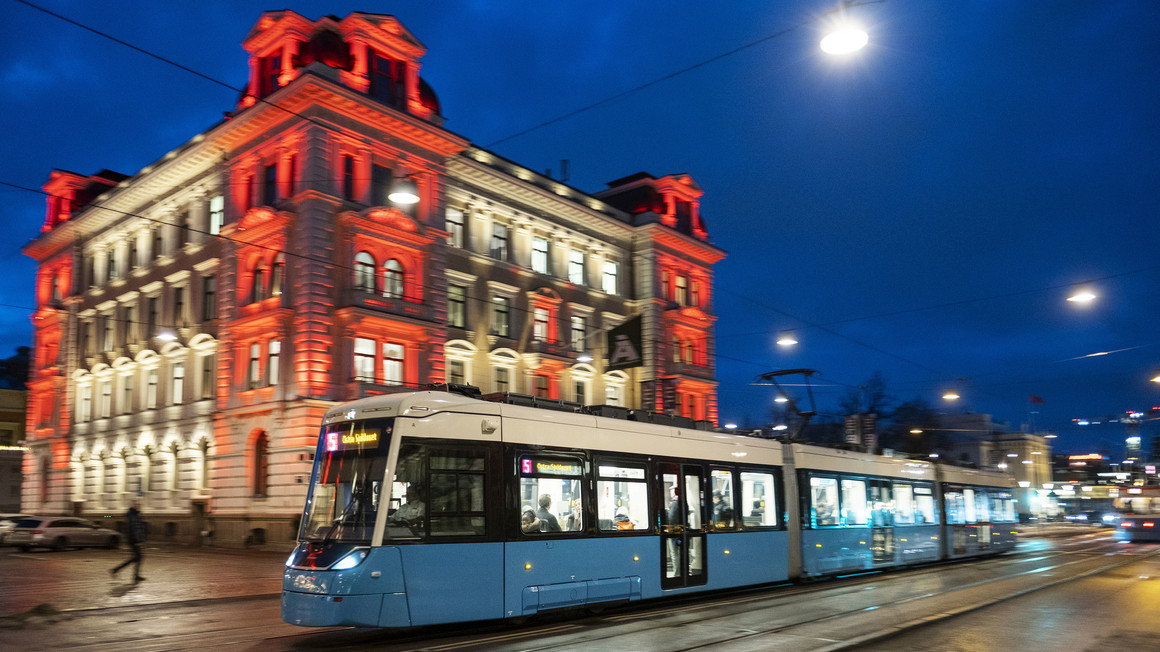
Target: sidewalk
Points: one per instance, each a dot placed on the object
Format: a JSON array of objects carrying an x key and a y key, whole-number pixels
[{"x": 79, "y": 579}]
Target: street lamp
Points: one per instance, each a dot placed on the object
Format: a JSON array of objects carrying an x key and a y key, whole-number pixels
[
  {"x": 786, "y": 339},
  {"x": 951, "y": 396},
  {"x": 404, "y": 191},
  {"x": 1082, "y": 296}
]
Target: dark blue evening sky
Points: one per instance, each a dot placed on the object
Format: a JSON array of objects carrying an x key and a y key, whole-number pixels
[{"x": 920, "y": 209}]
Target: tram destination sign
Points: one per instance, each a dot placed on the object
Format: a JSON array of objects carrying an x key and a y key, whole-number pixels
[
  {"x": 339, "y": 440},
  {"x": 556, "y": 466}
]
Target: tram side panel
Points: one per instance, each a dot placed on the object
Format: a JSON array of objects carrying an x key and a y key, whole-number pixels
[
  {"x": 615, "y": 478},
  {"x": 979, "y": 512},
  {"x": 860, "y": 511}
]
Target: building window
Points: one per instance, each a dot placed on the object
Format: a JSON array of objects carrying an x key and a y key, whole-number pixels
[
  {"x": 393, "y": 279},
  {"x": 540, "y": 324},
  {"x": 581, "y": 392},
  {"x": 456, "y": 306},
  {"x": 86, "y": 410},
  {"x": 694, "y": 294},
  {"x": 178, "y": 383},
  {"x": 578, "y": 333},
  {"x": 112, "y": 264},
  {"x": 179, "y": 306},
  {"x": 208, "y": 298},
  {"x": 392, "y": 363},
  {"x": 273, "y": 351},
  {"x": 455, "y": 228},
  {"x": 540, "y": 255},
  {"x": 158, "y": 243},
  {"x": 502, "y": 379},
  {"x": 208, "y": 367},
  {"x": 129, "y": 330},
  {"x": 278, "y": 275},
  {"x": 364, "y": 360},
  {"x": 107, "y": 342},
  {"x": 261, "y": 464},
  {"x": 151, "y": 390},
  {"x": 364, "y": 272},
  {"x": 499, "y": 242},
  {"x": 386, "y": 80},
  {"x": 681, "y": 296},
  {"x": 576, "y": 266},
  {"x": 134, "y": 260},
  {"x": 500, "y": 316},
  {"x": 257, "y": 287},
  {"x": 541, "y": 386},
  {"x": 270, "y": 185},
  {"x": 380, "y": 185},
  {"x": 455, "y": 372},
  {"x": 105, "y": 406},
  {"x": 612, "y": 395},
  {"x": 127, "y": 394},
  {"x": 217, "y": 214},
  {"x": 610, "y": 269},
  {"x": 151, "y": 319},
  {"x": 254, "y": 370},
  {"x": 348, "y": 177}
]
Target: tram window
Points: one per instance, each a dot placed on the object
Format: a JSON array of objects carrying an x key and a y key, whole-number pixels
[
  {"x": 956, "y": 514},
  {"x": 345, "y": 498},
  {"x": 982, "y": 506},
  {"x": 408, "y": 509},
  {"x": 881, "y": 504},
  {"x": 903, "y": 504},
  {"x": 722, "y": 485},
  {"x": 457, "y": 493},
  {"x": 823, "y": 500},
  {"x": 550, "y": 495},
  {"x": 924, "y": 505},
  {"x": 1002, "y": 508},
  {"x": 621, "y": 498},
  {"x": 854, "y": 506},
  {"x": 693, "y": 500},
  {"x": 968, "y": 502},
  {"x": 758, "y": 504}
]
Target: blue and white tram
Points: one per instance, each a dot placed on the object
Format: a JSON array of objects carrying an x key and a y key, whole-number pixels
[{"x": 431, "y": 507}]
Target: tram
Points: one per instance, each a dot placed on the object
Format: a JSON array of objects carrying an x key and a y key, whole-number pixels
[{"x": 432, "y": 507}]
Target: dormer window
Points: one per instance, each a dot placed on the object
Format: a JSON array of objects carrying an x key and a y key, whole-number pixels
[
  {"x": 386, "y": 80},
  {"x": 269, "y": 69}
]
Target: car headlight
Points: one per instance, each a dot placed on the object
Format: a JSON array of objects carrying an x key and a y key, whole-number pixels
[{"x": 350, "y": 561}]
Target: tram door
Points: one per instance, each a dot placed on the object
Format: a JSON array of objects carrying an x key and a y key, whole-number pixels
[{"x": 682, "y": 525}]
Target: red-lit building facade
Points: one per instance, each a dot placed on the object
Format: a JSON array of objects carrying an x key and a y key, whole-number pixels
[{"x": 195, "y": 320}]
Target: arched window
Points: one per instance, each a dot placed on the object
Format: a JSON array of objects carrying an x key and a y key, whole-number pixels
[
  {"x": 393, "y": 279},
  {"x": 364, "y": 272},
  {"x": 258, "y": 288},
  {"x": 278, "y": 276},
  {"x": 261, "y": 463}
]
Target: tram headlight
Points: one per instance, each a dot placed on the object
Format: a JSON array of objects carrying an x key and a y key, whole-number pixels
[{"x": 350, "y": 561}]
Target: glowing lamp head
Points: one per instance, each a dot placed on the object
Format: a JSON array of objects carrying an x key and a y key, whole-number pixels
[
  {"x": 1082, "y": 296},
  {"x": 845, "y": 40},
  {"x": 404, "y": 191}
]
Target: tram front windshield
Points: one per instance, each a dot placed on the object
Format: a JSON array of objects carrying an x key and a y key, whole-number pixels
[{"x": 347, "y": 482}]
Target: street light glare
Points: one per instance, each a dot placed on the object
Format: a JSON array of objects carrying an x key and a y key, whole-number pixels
[
  {"x": 951, "y": 396},
  {"x": 1083, "y": 296},
  {"x": 786, "y": 339},
  {"x": 845, "y": 40}
]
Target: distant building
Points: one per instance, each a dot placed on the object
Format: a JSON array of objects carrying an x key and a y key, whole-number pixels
[
  {"x": 980, "y": 441},
  {"x": 197, "y": 319},
  {"x": 12, "y": 416}
]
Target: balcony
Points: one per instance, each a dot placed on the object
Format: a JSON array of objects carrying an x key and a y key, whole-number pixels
[
  {"x": 701, "y": 372},
  {"x": 405, "y": 305},
  {"x": 556, "y": 348}
]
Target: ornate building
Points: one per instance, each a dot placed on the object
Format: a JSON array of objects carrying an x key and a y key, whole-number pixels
[{"x": 195, "y": 320}]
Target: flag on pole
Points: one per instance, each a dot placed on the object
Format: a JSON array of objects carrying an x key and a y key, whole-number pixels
[{"x": 1035, "y": 400}]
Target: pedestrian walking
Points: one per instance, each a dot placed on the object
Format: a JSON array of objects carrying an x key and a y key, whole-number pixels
[{"x": 135, "y": 534}]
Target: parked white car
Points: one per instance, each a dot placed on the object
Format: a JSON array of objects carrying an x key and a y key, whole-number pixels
[{"x": 60, "y": 532}]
